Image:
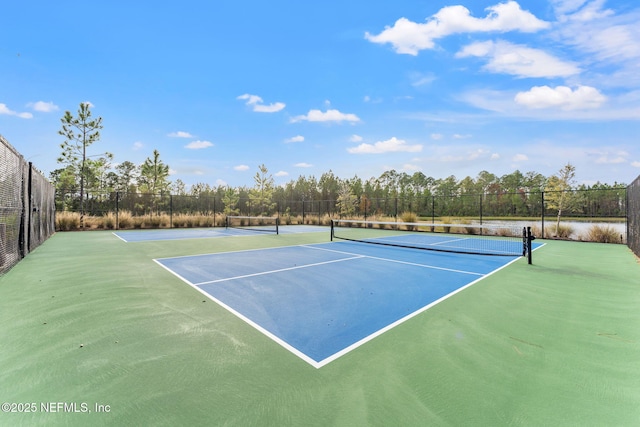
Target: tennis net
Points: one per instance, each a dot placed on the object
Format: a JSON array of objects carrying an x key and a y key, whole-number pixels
[
  {"x": 266, "y": 224},
  {"x": 460, "y": 238}
]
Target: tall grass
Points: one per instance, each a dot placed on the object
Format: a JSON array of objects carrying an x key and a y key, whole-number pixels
[
  {"x": 70, "y": 221},
  {"x": 67, "y": 221},
  {"x": 603, "y": 234},
  {"x": 561, "y": 231}
]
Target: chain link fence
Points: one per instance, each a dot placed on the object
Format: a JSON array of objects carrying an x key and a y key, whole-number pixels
[
  {"x": 597, "y": 208},
  {"x": 27, "y": 207},
  {"x": 633, "y": 217}
]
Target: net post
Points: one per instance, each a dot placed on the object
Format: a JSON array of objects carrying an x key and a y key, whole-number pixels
[
  {"x": 332, "y": 230},
  {"x": 226, "y": 221},
  {"x": 277, "y": 225},
  {"x": 529, "y": 245}
]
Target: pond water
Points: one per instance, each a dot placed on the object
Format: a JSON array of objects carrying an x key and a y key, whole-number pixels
[{"x": 579, "y": 229}]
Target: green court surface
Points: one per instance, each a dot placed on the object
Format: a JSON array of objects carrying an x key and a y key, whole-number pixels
[{"x": 93, "y": 332}]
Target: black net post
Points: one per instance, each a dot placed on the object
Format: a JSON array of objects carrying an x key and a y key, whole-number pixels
[{"x": 527, "y": 244}]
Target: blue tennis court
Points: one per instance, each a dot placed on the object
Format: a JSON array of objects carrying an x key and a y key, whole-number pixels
[
  {"x": 321, "y": 301},
  {"x": 207, "y": 233}
]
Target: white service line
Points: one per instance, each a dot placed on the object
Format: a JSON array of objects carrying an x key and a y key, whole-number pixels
[
  {"x": 403, "y": 262},
  {"x": 262, "y": 273}
]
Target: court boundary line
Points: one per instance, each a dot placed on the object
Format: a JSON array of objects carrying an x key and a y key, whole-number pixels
[
  {"x": 473, "y": 273},
  {"x": 406, "y": 318},
  {"x": 220, "y": 231},
  {"x": 262, "y": 273},
  {"x": 245, "y": 319},
  {"x": 233, "y": 252},
  {"x": 177, "y": 230}
]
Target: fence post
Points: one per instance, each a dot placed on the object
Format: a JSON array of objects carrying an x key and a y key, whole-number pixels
[
  {"x": 117, "y": 227},
  {"x": 433, "y": 210},
  {"x": 542, "y": 204},
  {"x": 396, "y": 208}
]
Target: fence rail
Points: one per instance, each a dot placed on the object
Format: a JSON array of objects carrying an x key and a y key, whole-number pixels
[{"x": 27, "y": 207}]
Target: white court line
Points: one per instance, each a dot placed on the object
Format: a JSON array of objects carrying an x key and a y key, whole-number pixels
[
  {"x": 379, "y": 332},
  {"x": 124, "y": 240},
  {"x": 434, "y": 267},
  {"x": 235, "y": 252},
  {"x": 244, "y": 318},
  {"x": 206, "y": 234},
  {"x": 262, "y": 273}
]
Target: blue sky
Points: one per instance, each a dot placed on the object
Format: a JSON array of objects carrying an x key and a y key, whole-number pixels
[{"x": 356, "y": 87}]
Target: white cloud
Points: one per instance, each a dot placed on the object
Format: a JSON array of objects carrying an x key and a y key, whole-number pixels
[
  {"x": 256, "y": 103},
  {"x": 271, "y": 108},
  {"x": 407, "y": 167},
  {"x": 567, "y": 6},
  {"x": 584, "y": 97},
  {"x": 437, "y": 136},
  {"x": 636, "y": 164},
  {"x": 419, "y": 79},
  {"x": 43, "y": 107},
  {"x": 459, "y": 136},
  {"x": 508, "y": 58},
  {"x": 180, "y": 134},
  {"x": 411, "y": 37},
  {"x": 606, "y": 40},
  {"x": 297, "y": 138},
  {"x": 281, "y": 173},
  {"x": 390, "y": 145},
  {"x": 198, "y": 145},
  {"x": 303, "y": 165},
  {"x": 355, "y": 138},
  {"x": 138, "y": 146},
  {"x": 606, "y": 157},
  {"x": 241, "y": 168},
  {"x": 520, "y": 158},
  {"x": 328, "y": 116},
  {"x": 221, "y": 183},
  {"x": 7, "y": 111},
  {"x": 582, "y": 10}
]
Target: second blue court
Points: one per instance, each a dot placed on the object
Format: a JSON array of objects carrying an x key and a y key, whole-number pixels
[{"x": 322, "y": 301}]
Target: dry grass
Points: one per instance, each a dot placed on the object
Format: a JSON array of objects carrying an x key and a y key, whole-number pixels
[
  {"x": 70, "y": 221},
  {"x": 561, "y": 231},
  {"x": 67, "y": 221},
  {"x": 603, "y": 234}
]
